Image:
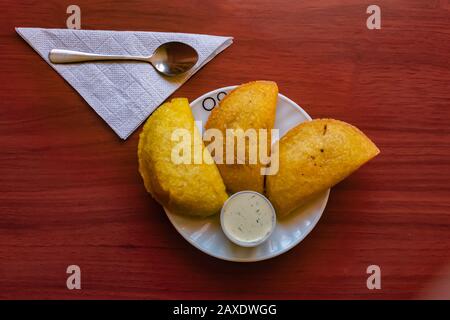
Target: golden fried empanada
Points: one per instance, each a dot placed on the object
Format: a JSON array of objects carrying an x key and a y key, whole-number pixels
[
  {"x": 250, "y": 106},
  {"x": 183, "y": 188},
  {"x": 313, "y": 157}
]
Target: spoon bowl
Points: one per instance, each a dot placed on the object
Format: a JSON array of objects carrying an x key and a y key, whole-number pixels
[{"x": 173, "y": 58}]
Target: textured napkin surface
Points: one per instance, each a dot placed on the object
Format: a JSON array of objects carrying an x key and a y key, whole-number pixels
[{"x": 122, "y": 93}]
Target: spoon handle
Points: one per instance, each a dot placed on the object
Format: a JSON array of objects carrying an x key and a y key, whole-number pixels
[{"x": 68, "y": 56}]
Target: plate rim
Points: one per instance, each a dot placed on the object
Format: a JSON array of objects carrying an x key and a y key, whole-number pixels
[{"x": 284, "y": 250}]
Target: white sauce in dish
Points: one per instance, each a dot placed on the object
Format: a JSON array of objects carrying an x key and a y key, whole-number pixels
[{"x": 248, "y": 217}]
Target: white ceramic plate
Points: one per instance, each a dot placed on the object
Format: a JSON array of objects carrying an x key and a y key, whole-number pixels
[{"x": 206, "y": 233}]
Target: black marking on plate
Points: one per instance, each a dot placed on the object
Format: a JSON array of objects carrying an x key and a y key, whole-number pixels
[
  {"x": 220, "y": 95},
  {"x": 206, "y": 99}
]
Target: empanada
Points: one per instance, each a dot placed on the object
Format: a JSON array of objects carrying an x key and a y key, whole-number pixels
[
  {"x": 183, "y": 188},
  {"x": 313, "y": 157},
  {"x": 250, "y": 106}
]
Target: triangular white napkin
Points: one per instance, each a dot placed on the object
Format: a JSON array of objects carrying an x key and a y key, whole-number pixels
[{"x": 122, "y": 93}]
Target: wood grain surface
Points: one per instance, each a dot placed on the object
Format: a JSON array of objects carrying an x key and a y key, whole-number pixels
[{"x": 70, "y": 192}]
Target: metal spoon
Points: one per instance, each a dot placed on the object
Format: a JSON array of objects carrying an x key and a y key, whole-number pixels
[{"x": 170, "y": 58}]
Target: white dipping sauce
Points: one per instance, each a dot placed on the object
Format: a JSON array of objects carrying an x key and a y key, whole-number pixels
[{"x": 248, "y": 217}]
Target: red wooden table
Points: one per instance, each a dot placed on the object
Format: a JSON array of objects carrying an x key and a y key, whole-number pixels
[{"x": 70, "y": 192}]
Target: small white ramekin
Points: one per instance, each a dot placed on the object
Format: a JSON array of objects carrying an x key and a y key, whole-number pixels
[{"x": 245, "y": 243}]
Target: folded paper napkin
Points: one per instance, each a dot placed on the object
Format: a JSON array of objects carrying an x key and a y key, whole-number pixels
[{"x": 122, "y": 93}]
